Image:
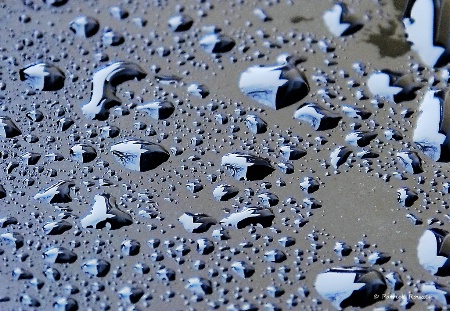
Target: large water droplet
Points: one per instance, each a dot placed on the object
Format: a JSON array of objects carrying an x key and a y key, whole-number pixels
[
  {"x": 433, "y": 251},
  {"x": 318, "y": 117},
  {"x": 243, "y": 166},
  {"x": 43, "y": 77},
  {"x": 274, "y": 86},
  {"x": 139, "y": 155},
  {"x": 104, "y": 84},
  {"x": 105, "y": 211},
  {"x": 350, "y": 286}
]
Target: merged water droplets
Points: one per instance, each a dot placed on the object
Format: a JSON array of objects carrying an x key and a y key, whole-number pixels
[
  {"x": 104, "y": 84},
  {"x": 105, "y": 213}
]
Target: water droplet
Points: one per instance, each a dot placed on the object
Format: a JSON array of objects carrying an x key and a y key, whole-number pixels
[
  {"x": 57, "y": 193},
  {"x": 158, "y": 110},
  {"x": 105, "y": 212},
  {"x": 216, "y": 43},
  {"x": 243, "y": 166},
  {"x": 427, "y": 134},
  {"x": 350, "y": 286},
  {"x": 339, "y": 21},
  {"x": 181, "y": 22},
  {"x": 225, "y": 192},
  {"x": 411, "y": 161},
  {"x": 242, "y": 269},
  {"x": 8, "y": 128},
  {"x": 104, "y": 84},
  {"x": 274, "y": 86},
  {"x": 84, "y": 26},
  {"x": 139, "y": 155},
  {"x": 96, "y": 267},
  {"x": 59, "y": 255},
  {"x": 250, "y": 216},
  {"x": 317, "y": 117},
  {"x": 433, "y": 252},
  {"x": 422, "y": 22},
  {"x": 196, "y": 223},
  {"x": 43, "y": 77}
]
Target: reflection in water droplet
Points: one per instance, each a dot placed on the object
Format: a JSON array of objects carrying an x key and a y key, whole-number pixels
[
  {"x": 427, "y": 134},
  {"x": 274, "y": 86},
  {"x": 105, "y": 212},
  {"x": 317, "y": 117},
  {"x": 196, "y": 223},
  {"x": 411, "y": 161},
  {"x": 84, "y": 26},
  {"x": 104, "y": 83},
  {"x": 139, "y": 155},
  {"x": 8, "y": 128},
  {"x": 57, "y": 193},
  {"x": 433, "y": 251},
  {"x": 43, "y": 77},
  {"x": 350, "y": 286},
  {"x": 422, "y": 22},
  {"x": 243, "y": 166},
  {"x": 216, "y": 43},
  {"x": 158, "y": 110},
  {"x": 339, "y": 22},
  {"x": 250, "y": 216}
]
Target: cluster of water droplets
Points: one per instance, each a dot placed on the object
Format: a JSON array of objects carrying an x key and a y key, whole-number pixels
[{"x": 195, "y": 156}]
